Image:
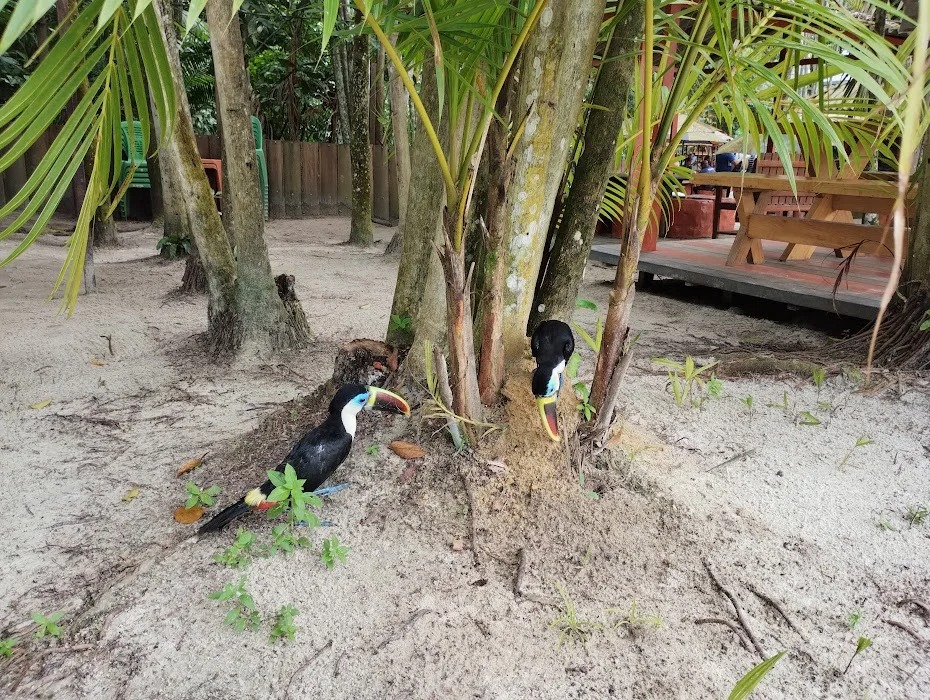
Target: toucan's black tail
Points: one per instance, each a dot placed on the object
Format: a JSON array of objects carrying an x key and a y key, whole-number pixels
[{"x": 224, "y": 517}]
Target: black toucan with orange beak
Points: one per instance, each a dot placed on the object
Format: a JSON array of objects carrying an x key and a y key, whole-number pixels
[
  {"x": 552, "y": 345},
  {"x": 318, "y": 453}
]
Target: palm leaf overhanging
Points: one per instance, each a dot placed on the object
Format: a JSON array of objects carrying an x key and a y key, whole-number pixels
[{"x": 106, "y": 63}]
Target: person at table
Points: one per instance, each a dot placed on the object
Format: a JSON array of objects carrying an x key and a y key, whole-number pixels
[
  {"x": 706, "y": 167},
  {"x": 691, "y": 161},
  {"x": 726, "y": 162}
]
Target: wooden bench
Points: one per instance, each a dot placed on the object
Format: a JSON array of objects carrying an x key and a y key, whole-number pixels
[{"x": 827, "y": 222}]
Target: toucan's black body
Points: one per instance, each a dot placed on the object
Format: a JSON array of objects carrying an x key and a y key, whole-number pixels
[
  {"x": 552, "y": 343},
  {"x": 318, "y": 453}
]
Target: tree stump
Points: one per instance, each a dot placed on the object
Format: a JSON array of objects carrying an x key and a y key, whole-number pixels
[
  {"x": 195, "y": 277},
  {"x": 295, "y": 312},
  {"x": 364, "y": 361}
]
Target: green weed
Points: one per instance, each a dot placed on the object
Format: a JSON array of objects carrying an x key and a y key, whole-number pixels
[
  {"x": 744, "y": 687},
  {"x": 569, "y": 626},
  {"x": 854, "y": 619},
  {"x": 916, "y": 515},
  {"x": 819, "y": 375},
  {"x": 748, "y": 403},
  {"x": 862, "y": 644},
  {"x": 584, "y": 403},
  {"x": 290, "y": 500},
  {"x": 284, "y": 627},
  {"x": 333, "y": 552},
  {"x": 47, "y": 625},
  {"x": 6, "y": 646},
  {"x": 634, "y": 619},
  {"x": 925, "y": 324},
  {"x": 200, "y": 497},
  {"x": 808, "y": 418},
  {"x": 239, "y": 554},
  {"x": 400, "y": 323},
  {"x": 687, "y": 383},
  {"x": 243, "y": 613},
  {"x": 860, "y": 442},
  {"x": 373, "y": 449},
  {"x": 593, "y": 495}
]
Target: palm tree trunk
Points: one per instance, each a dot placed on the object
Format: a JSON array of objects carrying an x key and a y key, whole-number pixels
[
  {"x": 561, "y": 280},
  {"x": 264, "y": 322},
  {"x": 361, "y": 232},
  {"x": 196, "y": 200},
  {"x": 399, "y": 123},
  {"x": 342, "y": 134},
  {"x": 554, "y": 69},
  {"x": 424, "y": 205}
]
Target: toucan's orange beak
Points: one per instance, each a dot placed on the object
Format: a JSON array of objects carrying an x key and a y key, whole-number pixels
[
  {"x": 384, "y": 400},
  {"x": 549, "y": 412}
]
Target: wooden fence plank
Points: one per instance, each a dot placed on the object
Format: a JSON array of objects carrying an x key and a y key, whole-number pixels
[
  {"x": 329, "y": 204},
  {"x": 292, "y": 184},
  {"x": 344, "y": 179},
  {"x": 215, "y": 147},
  {"x": 381, "y": 208},
  {"x": 275, "y": 155},
  {"x": 203, "y": 145},
  {"x": 310, "y": 179}
]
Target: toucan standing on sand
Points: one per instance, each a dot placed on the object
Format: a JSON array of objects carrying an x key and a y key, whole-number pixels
[
  {"x": 552, "y": 344},
  {"x": 320, "y": 451}
]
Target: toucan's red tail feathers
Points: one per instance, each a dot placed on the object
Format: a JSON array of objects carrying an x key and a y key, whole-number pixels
[{"x": 224, "y": 517}]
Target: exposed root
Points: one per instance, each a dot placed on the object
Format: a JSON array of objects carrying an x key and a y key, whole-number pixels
[
  {"x": 900, "y": 343},
  {"x": 924, "y": 607},
  {"x": 718, "y": 621},
  {"x": 741, "y": 616},
  {"x": 297, "y": 319},
  {"x": 778, "y": 608},
  {"x": 195, "y": 277},
  {"x": 906, "y": 628}
]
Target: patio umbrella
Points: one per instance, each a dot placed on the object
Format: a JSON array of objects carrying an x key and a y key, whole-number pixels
[
  {"x": 736, "y": 145},
  {"x": 699, "y": 132}
]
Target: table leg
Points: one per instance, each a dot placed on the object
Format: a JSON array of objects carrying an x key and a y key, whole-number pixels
[
  {"x": 746, "y": 249},
  {"x": 718, "y": 195},
  {"x": 821, "y": 210}
]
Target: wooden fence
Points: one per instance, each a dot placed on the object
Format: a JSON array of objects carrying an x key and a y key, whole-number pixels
[
  {"x": 304, "y": 179},
  {"x": 315, "y": 179}
]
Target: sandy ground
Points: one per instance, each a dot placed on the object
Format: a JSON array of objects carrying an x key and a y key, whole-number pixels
[{"x": 418, "y": 611}]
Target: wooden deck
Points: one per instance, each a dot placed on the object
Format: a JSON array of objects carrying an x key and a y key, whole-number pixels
[{"x": 803, "y": 283}]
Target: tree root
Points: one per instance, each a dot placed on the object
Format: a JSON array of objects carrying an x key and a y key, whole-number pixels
[
  {"x": 900, "y": 343},
  {"x": 733, "y": 626},
  {"x": 778, "y": 608},
  {"x": 741, "y": 616},
  {"x": 924, "y": 607},
  {"x": 297, "y": 319},
  {"x": 906, "y": 628},
  {"x": 195, "y": 277}
]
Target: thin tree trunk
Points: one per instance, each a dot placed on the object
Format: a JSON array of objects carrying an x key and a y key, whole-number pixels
[
  {"x": 554, "y": 69},
  {"x": 361, "y": 232},
  {"x": 491, "y": 365},
  {"x": 424, "y": 206},
  {"x": 400, "y": 126},
  {"x": 180, "y": 150},
  {"x": 562, "y": 277},
  {"x": 155, "y": 176},
  {"x": 264, "y": 322},
  {"x": 376, "y": 132}
]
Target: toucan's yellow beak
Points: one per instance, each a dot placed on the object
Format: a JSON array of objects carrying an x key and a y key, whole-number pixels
[
  {"x": 384, "y": 400},
  {"x": 549, "y": 412}
]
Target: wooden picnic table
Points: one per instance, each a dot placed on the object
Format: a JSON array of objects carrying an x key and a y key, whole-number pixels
[{"x": 828, "y": 223}]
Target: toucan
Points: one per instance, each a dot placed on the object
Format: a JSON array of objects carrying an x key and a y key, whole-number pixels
[
  {"x": 552, "y": 345},
  {"x": 320, "y": 451}
]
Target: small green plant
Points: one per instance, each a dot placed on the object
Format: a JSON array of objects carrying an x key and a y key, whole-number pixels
[
  {"x": 6, "y": 646},
  {"x": 569, "y": 626},
  {"x": 916, "y": 515},
  {"x": 595, "y": 342},
  {"x": 593, "y": 495},
  {"x": 284, "y": 627},
  {"x": 748, "y": 402},
  {"x": 571, "y": 367},
  {"x": 744, "y": 687},
  {"x": 819, "y": 375},
  {"x": 862, "y": 644},
  {"x": 243, "y": 613},
  {"x": 688, "y": 386},
  {"x": 293, "y": 414},
  {"x": 333, "y": 552},
  {"x": 925, "y": 324},
  {"x": 584, "y": 404},
  {"x": 47, "y": 625},
  {"x": 854, "y": 619},
  {"x": 290, "y": 500},
  {"x": 808, "y": 418},
  {"x": 883, "y": 524},
  {"x": 172, "y": 247},
  {"x": 239, "y": 554},
  {"x": 784, "y": 405},
  {"x": 634, "y": 619},
  {"x": 400, "y": 323},
  {"x": 860, "y": 442},
  {"x": 372, "y": 449},
  {"x": 200, "y": 497}
]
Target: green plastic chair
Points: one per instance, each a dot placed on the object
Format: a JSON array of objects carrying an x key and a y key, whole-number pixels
[
  {"x": 134, "y": 157},
  {"x": 262, "y": 163}
]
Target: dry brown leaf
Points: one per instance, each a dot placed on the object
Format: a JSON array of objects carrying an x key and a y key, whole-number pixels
[
  {"x": 41, "y": 404},
  {"x": 186, "y": 516},
  {"x": 131, "y": 494},
  {"x": 97, "y": 363},
  {"x": 192, "y": 464},
  {"x": 406, "y": 450}
]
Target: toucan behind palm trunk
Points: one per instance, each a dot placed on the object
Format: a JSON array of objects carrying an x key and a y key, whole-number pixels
[
  {"x": 318, "y": 453},
  {"x": 552, "y": 345}
]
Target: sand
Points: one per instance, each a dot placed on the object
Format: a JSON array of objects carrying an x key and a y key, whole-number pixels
[{"x": 426, "y": 604}]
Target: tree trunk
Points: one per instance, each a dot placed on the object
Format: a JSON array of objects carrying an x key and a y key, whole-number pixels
[
  {"x": 554, "y": 68},
  {"x": 264, "y": 322},
  {"x": 155, "y": 176},
  {"x": 361, "y": 232},
  {"x": 183, "y": 159},
  {"x": 424, "y": 207},
  {"x": 340, "y": 72},
  {"x": 376, "y": 132},
  {"x": 500, "y": 167},
  {"x": 564, "y": 271},
  {"x": 400, "y": 124}
]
